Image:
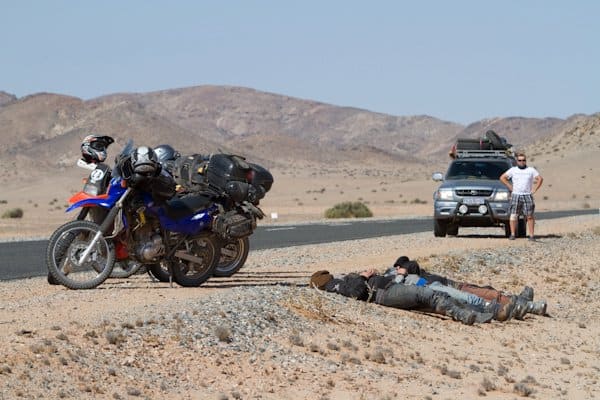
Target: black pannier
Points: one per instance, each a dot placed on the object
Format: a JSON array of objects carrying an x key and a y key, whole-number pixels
[
  {"x": 262, "y": 177},
  {"x": 223, "y": 168},
  {"x": 201, "y": 172}
]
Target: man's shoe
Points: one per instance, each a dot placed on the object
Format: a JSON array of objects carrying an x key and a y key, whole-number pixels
[
  {"x": 511, "y": 237},
  {"x": 527, "y": 293},
  {"x": 531, "y": 239}
]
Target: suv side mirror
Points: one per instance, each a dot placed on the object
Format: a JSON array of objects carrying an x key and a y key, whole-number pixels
[{"x": 437, "y": 176}]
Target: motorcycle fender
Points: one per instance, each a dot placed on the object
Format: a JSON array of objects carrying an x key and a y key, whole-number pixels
[{"x": 82, "y": 199}]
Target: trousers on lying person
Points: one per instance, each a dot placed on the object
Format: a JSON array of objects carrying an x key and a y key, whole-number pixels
[
  {"x": 406, "y": 297},
  {"x": 485, "y": 292},
  {"x": 464, "y": 296}
]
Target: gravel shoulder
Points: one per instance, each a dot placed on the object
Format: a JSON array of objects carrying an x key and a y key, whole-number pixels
[{"x": 263, "y": 334}]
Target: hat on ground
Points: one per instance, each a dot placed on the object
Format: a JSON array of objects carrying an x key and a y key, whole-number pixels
[{"x": 320, "y": 278}]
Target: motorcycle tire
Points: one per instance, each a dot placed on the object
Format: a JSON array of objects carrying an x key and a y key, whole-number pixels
[
  {"x": 124, "y": 269},
  {"x": 160, "y": 272},
  {"x": 192, "y": 273},
  {"x": 233, "y": 257},
  {"x": 67, "y": 244}
]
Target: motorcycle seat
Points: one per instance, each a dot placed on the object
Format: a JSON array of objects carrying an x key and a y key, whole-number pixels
[{"x": 182, "y": 207}]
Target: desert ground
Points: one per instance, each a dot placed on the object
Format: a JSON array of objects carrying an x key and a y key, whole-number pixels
[{"x": 263, "y": 334}]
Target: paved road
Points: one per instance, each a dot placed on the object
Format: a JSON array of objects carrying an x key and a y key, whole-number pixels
[{"x": 26, "y": 259}]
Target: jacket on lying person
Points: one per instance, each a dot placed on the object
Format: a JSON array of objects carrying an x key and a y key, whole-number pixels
[{"x": 351, "y": 285}]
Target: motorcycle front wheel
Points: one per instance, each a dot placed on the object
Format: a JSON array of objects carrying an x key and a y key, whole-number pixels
[
  {"x": 65, "y": 248},
  {"x": 196, "y": 260},
  {"x": 233, "y": 257}
]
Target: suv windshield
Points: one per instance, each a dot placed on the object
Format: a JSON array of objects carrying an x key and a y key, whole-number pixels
[{"x": 469, "y": 169}]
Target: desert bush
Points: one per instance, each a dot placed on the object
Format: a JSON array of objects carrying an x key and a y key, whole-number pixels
[
  {"x": 349, "y": 209},
  {"x": 13, "y": 213}
]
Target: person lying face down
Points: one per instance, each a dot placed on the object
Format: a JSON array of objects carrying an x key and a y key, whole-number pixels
[
  {"x": 504, "y": 305},
  {"x": 373, "y": 287}
]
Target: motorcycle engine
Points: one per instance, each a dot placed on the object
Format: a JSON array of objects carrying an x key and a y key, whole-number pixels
[{"x": 148, "y": 244}]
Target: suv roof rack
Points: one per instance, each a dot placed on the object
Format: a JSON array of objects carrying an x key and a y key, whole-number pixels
[{"x": 483, "y": 153}]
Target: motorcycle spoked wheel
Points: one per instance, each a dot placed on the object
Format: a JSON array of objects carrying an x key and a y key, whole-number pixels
[
  {"x": 122, "y": 269},
  {"x": 159, "y": 271},
  {"x": 191, "y": 273},
  {"x": 64, "y": 249},
  {"x": 233, "y": 257}
]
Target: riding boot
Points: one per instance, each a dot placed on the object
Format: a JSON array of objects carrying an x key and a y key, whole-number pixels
[
  {"x": 527, "y": 293},
  {"x": 537, "y": 307},
  {"x": 523, "y": 307},
  {"x": 444, "y": 305},
  {"x": 500, "y": 312}
]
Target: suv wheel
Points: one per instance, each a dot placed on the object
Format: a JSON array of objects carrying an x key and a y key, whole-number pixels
[
  {"x": 439, "y": 228},
  {"x": 452, "y": 230},
  {"x": 522, "y": 228}
]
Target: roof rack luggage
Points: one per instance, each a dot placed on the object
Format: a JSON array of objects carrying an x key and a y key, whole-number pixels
[{"x": 490, "y": 145}]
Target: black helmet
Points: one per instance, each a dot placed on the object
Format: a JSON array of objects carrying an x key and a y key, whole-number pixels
[
  {"x": 93, "y": 148},
  {"x": 165, "y": 152},
  {"x": 144, "y": 162}
]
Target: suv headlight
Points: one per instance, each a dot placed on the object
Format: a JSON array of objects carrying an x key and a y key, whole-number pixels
[
  {"x": 444, "y": 194},
  {"x": 501, "y": 195}
]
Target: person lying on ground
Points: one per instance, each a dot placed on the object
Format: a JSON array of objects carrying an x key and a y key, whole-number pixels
[
  {"x": 508, "y": 305},
  {"x": 372, "y": 287}
]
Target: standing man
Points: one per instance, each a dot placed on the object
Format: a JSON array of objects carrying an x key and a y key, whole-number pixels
[{"x": 525, "y": 182}]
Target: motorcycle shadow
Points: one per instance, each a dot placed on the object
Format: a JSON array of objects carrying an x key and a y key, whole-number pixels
[
  {"x": 256, "y": 279},
  {"x": 241, "y": 279}
]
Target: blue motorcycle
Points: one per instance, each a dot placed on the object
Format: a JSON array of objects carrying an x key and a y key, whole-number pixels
[{"x": 177, "y": 233}]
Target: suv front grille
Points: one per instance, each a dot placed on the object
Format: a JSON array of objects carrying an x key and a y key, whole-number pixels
[{"x": 474, "y": 192}]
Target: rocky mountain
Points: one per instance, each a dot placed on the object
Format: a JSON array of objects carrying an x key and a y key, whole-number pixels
[
  {"x": 6, "y": 98},
  {"x": 44, "y": 130}
]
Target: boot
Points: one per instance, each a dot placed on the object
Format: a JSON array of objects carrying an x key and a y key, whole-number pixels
[
  {"x": 537, "y": 307},
  {"x": 527, "y": 293},
  {"x": 500, "y": 312},
  {"x": 523, "y": 307},
  {"x": 445, "y": 306}
]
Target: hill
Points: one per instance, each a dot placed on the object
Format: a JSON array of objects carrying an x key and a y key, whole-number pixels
[{"x": 45, "y": 129}]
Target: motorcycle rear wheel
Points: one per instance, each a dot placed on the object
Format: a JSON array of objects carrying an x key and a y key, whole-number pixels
[
  {"x": 193, "y": 273},
  {"x": 160, "y": 271},
  {"x": 65, "y": 247},
  {"x": 233, "y": 257}
]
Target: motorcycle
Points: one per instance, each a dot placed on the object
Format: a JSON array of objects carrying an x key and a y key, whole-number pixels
[
  {"x": 96, "y": 183},
  {"x": 81, "y": 254},
  {"x": 234, "y": 251},
  {"x": 221, "y": 177}
]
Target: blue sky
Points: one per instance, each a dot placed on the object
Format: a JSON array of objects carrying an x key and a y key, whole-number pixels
[{"x": 457, "y": 60}]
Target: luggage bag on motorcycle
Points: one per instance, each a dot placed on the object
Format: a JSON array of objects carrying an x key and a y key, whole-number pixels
[
  {"x": 218, "y": 172},
  {"x": 224, "y": 168},
  {"x": 262, "y": 177}
]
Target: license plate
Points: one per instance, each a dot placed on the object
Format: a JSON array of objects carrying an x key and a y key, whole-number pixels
[{"x": 473, "y": 201}]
